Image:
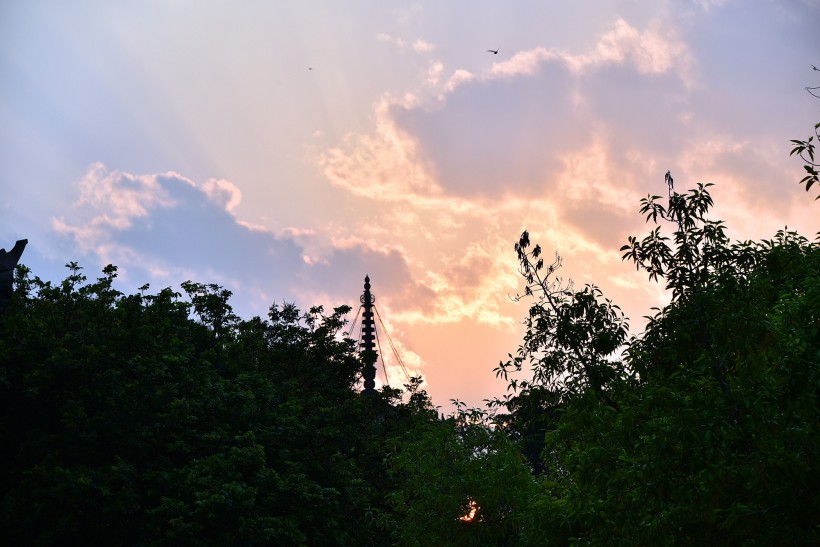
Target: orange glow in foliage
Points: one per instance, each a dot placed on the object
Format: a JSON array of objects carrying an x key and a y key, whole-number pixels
[{"x": 471, "y": 514}]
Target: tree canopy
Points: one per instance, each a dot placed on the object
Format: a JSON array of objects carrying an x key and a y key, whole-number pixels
[{"x": 158, "y": 419}]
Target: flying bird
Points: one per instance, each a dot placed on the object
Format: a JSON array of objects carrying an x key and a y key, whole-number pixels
[{"x": 493, "y": 51}]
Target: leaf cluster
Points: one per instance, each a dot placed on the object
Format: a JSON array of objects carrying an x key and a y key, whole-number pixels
[{"x": 804, "y": 149}]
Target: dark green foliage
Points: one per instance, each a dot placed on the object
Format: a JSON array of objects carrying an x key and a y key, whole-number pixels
[
  {"x": 461, "y": 482},
  {"x": 717, "y": 442},
  {"x": 129, "y": 420},
  {"x": 531, "y": 414},
  {"x": 706, "y": 431}
]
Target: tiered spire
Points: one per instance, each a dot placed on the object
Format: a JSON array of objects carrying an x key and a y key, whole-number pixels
[{"x": 368, "y": 348}]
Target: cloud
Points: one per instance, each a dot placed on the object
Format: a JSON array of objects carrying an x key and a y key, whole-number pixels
[
  {"x": 707, "y": 5},
  {"x": 418, "y": 45},
  {"x": 523, "y": 63},
  {"x": 223, "y": 192},
  {"x": 388, "y": 39},
  {"x": 479, "y": 141},
  {"x": 561, "y": 143},
  {"x": 386, "y": 163},
  {"x": 505, "y": 129},
  {"x": 164, "y": 227},
  {"x": 655, "y": 50},
  {"x": 124, "y": 197},
  {"x": 434, "y": 73},
  {"x": 423, "y": 46},
  {"x": 458, "y": 78}
]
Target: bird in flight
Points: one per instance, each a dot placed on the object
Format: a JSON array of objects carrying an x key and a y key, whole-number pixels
[{"x": 493, "y": 51}]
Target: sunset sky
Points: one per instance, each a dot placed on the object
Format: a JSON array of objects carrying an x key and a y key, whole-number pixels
[{"x": 284, "y": 149}]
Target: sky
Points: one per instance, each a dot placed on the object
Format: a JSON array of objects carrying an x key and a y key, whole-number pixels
[{"x": 286, "y": 149}]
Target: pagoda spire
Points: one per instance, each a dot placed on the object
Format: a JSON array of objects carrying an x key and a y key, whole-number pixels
[{"x": 368, "y": 348}]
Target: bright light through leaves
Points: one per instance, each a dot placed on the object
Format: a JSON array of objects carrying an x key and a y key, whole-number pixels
[{"x": 472, "y": 511}]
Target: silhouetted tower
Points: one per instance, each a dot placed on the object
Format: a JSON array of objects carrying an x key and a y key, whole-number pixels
[
  {"x": 369, "y": 341},
  {"x": 368, "y": 347}
]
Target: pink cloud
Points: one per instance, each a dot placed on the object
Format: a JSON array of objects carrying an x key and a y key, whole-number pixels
[
  {"x": 458, "y": 77},
  {"x": 383, "y": 165},
  {"x": 654, "y": 50},
  {"x": 523, "y": 63},
  {"x": 122, "y": 195}
]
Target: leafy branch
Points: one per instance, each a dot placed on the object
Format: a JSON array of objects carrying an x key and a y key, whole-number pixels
[
  {"x": 570, "y": 333},
  {"x": 805, "y": 149}
]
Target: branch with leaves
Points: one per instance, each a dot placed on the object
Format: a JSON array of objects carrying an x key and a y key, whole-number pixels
[
  {"x": 700, "y": 253},
  {"x": 570, "y": 333},
  {"x": 805, "y": 149}
]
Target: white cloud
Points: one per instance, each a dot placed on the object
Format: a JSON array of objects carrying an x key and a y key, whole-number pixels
[
  {"x": 434, "y": 73},
  {"x": 223, "y": 192},
  {"x": 388, "y": 39},
  {"x": 423, "y": 46}
]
